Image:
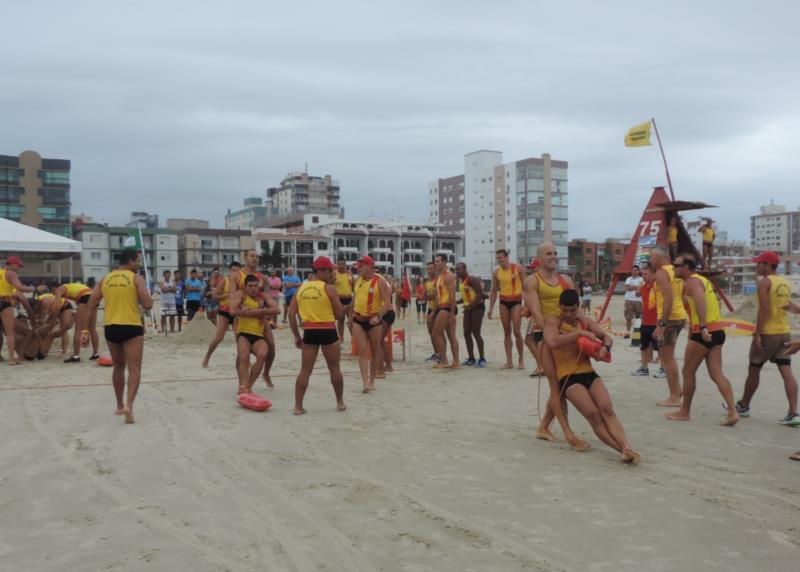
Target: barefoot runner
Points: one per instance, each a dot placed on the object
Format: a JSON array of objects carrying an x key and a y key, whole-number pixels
[
  {"x": 221, "y": 292},
  {"x": 705, "y": 342},
  {"x": 577, "y": 379},
  {"x": 474, "y": 309},
  {"x": 124, "y": 290},
  {"x": 251, "y": 309},
  {"x": 318, "y": 303},
  {"x": 507, "y": 281}
]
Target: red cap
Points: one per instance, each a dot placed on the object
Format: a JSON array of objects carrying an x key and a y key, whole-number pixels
[
  {"x": 14, "y": 260},
  {"x": 322, "y": 263},
  {"x": 367, "y": 259},
  {"x": 535, "y": 263},
  {"x": 769, "y": 257}
]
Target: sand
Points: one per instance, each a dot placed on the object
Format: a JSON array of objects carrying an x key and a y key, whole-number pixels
[{"x": 434, "y": 471}]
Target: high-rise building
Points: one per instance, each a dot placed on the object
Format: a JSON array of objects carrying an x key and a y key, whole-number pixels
[
  {"x": 775, "y": 228},
  {"x": 35, "y": 191},
  {"x": 142, "y": 219},
  {"x": 303, "y": 193},
  {"x": 495, "y": 205}
]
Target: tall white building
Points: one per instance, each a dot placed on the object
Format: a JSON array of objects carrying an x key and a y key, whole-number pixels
[
  {"x": 494, "y": 205},
  {"x": 775, "y": 228}
]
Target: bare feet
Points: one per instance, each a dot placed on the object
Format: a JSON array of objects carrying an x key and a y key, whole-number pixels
[
  {"x": 268, "y": 380},
  {"x": 455, "y": 365},
  {"x": 128, "y": 413},
  {"x": 119, "y": 411},
  {"x": 205, "y": 362},
  {"x": 669, "y": 403},
  {"x": 300, "y": 411},
  {"x": 242, "y": 389},
  {"x": 507, "y": 366},
  {"x": 389, "y": 369},
  {"x": 578, "y": 444},
  {"x": 795, "y": 456},
  {"x": 630, "y": 456},
  {"x": 341, "y": 406},
  {"x": 380, "y": 375},
  {"x": 15, "y": 362},
  {"x": 442, "y": 365},
  {"x": 731, "y": 420},
  {"x": 546, "y": 435},
  {"x": 521, "y": 365},
  {"x": 679, "y": 415}
]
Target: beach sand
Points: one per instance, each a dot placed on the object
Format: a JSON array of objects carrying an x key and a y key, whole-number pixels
[{"x": 434, "y": 471}]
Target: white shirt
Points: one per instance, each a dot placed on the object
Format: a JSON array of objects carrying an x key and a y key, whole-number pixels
[{"x": 630, "y": 295}]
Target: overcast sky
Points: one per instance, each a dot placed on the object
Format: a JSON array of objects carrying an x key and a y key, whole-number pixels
[{"x": 186, "y": 108}]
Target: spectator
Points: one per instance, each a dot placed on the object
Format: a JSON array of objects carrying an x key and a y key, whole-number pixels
[
  {"x": 194, "y": 294},
  {"x": 179, "y": 298},
  {"x": 633, "y": 300},
  {"x": 290, "y": 285}
]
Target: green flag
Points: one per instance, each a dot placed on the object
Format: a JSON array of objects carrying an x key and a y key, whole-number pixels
[{"x": 132, "y": 240}]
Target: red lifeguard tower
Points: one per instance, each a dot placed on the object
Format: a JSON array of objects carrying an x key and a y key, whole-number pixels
[{"x": 652, "y": 231}]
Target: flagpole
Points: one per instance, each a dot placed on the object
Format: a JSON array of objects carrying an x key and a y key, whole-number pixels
[
  {"x": 664, "y": 158},
  {"x": 146, "y": 271}
]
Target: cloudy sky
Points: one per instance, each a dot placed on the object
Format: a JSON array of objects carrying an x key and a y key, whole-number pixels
[{"x": 185, "y": 108}]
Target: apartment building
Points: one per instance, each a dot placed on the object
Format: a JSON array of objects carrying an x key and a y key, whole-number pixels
[{"x": 205, "y": 248}]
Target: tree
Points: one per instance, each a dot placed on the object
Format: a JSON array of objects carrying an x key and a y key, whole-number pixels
[{"x": 274, "y": 259}]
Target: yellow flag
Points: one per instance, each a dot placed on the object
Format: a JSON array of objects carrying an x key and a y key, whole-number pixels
[{"x": 638, "y": 135}]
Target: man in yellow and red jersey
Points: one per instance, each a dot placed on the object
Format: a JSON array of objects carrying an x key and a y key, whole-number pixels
[
  {"x": 444, "y": 322},
  {"x": 343, "y": 282},
  {"x": 10, "y": 287},
  {"x": 318, "y": 304},
  {"x": 773, "y": 331},
  {"x": 705, "y": 342},
  {"x": 220, "y": 292},
  {"x": 251, "y": 310},
  {"x": 507, "y": 282}
]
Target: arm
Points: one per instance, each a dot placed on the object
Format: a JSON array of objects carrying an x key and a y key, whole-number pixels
[
  {"x": 94, "y": 299},
  {"x": 27, "y": 305},
  {"x": 13, "y": 279},
  {"x": 598, "y": 332},
  {"x": 792, "y": 308},
  {"x": 60, "y": 293},
  {"x": 477, "y": 287},
  {"x": 629, "y": 287},
  {"x": 236, "y": 301},
  {"x": 555, "y": 339},
  {"x": 493, "y": 294},
  {"x": 450, "y": 282},
  {"x": 145, "y": 299},
  {"x": 338, "y": 309},
  {"x": 292, "y": 314},
  {"x": 662, "y": 279},
  {"x": 763, "y": 309},
  {"x": 271, "y": 309},
  {"x": 694, "y": 289},
  {"x": 386, "y": 295},
  {"x": 532, "y": 302}
]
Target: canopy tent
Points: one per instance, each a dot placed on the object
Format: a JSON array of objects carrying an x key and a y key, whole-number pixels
[{"x": 16, "y": 237}]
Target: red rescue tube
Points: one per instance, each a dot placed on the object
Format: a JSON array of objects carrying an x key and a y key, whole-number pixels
[
  {"x": 253, "y": 401},
  {"x": 105, "y": 361},
  {"x": 591, "y": 348}
]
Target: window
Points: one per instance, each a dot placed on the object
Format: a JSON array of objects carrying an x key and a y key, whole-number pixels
[
  {"x": 322, "y": 245},
  {"x": 54, "y": 213},
  {"x": 97, "y": 255},
  {"x": 54, "y": 177},
  {"x": 10, "y": 194},
  {"x": 10, "y": 175}
]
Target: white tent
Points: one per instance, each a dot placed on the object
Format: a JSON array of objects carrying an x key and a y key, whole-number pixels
[{"x": 16, "y": 237}]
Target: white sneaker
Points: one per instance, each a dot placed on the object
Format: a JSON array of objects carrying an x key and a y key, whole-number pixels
[{"x": 660, "y": 374}]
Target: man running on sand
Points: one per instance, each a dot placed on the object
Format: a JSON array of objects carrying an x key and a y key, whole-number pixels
[
  {"x": 221, "y": 292},
  {"x": 543, "y": 291},
  {"x": 10, "y": 285},
  {"x": 671, "y": 317},
  {"x": 372, "y": 298},
  {"x": 773, "y": 331},
  {"x": 318, "y": 303},
  {"x": 474, "y": 308},
  {"x": 250, "y": 268},
  {"x": 705, "y": 342},
  {"x": 576, "y": 376},
  {"x": 251, "y": 309},
  {"x": 507, "y": 281},
  {"x": 444, "y": 322},
  {"x": 124, "y": 290}
]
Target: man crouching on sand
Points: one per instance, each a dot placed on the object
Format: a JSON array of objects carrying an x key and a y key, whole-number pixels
[{"x": 576, "y": 376}]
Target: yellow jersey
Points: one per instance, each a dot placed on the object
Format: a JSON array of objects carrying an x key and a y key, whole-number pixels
[
  {"x": 713, "y": 315},
  {"x": 469, "y": 293},
  {"x": 122, "y": 299},
  {"x": 549, "y": 295},
  {"x": 509, "y": 283},
  {"x": 49, "y": 296},
  {"x": 678, "y": 311},
  {"x": 430, "y": 293},
  {"x": 442, "y": 293},
  {"x": 708, "y": 234},
  {"x": 780, "y": 294},
  {"x": 243, "y": 276},
  {"x": 368, "y": 298},
  {"x": 6, "y": 289},
  {"x": 75, "y": 291},
  {"x": 250, "y": 325},
  {"x": 569, "y": 360},
  {"x": 344, "y": 284},
  {"x": 315, "y": 307},
  {"x": 224, "y": 299},
  {"x": 672, "y": 234}
]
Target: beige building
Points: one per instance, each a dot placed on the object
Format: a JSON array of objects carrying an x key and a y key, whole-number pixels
[
  {"x": 206, "y": 248},
  {"x": 36, "y": 191}
]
